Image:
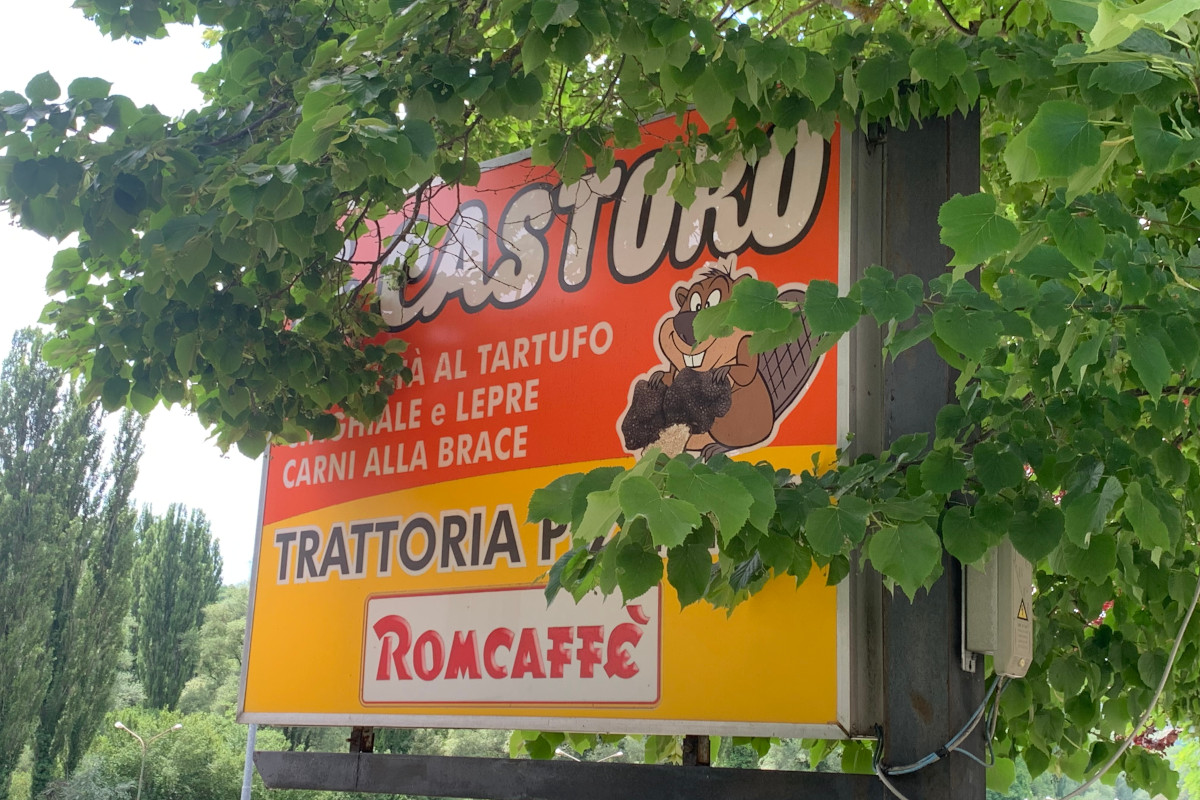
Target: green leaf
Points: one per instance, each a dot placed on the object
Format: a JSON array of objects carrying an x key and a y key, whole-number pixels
[
  {"x": 187, "y": 347},
  {"x": 1164, "y": 13},
  {"x": 1150, "y": 668},
  {"x": 939, "y": 62},
  {"x": 42, "y": 87},
  {"x": 1094, "y": 563},
  {"x": 193, "y": 258},
  {"x": 942, "y": 473},
  {"x": 1064, "y": 140},
  {"x": 553, "y": 502},
  {"x": 910, "y": 337},
  {"x": 1149, "y": 361},
  {"x": 553, "y": 12},
  {"x": 963, "y": 540},
  {"x": 1116, "y": 24},
  {"x": 670, "y": 520},
  {"x": 827, "y": 313},
  {"x": 573, "y": 45},
  {"x": 1043, "y": 261},
  {"x": 1036, "y": 535},
  {"x": 1080, "y": 238},
  {"x": 1154, "y": 146},
  {"x": 525, "y": 90},
  {"x": 420, "y": 134},
  {"x": 885, "y": 300},
  {"x": 997, "y": 467},
  {"x": 828, "y": 529},
  {"x": 881, "y": 74},
  {"x": 626, "y": 132},
  {"x": 1020, "y": 158},
  {"x": 973, "y": 229},
  {"x": 1080, "y": 13},
  {"x": 1001, "y": 774},
  {"x": 722, "y": 495},
  {"x": 603, "y": 511},
  {"x": 819, "y": 78},
  {"x": 244, "y": 66},
  {"x": 88, "y": 89},
  {"x": 689, "y": 569},
  {"x": 114, "y": 392},
  {"x": 1086, "y": 515},
  {"x": 713, "y": 100},
  {"x": 1144, "y": 518},
  {"x": 756, "y": 306},
  {"x": 969, "y": 332},
  {"x": 595, "y": 480},
  {"x": 1125, "y": 77},
  {"x": 638, "y": 571},
  {"x": 907, "y": 554},
  {"x": 311, "y": 142},
  {"x": 291, "y": 204}
]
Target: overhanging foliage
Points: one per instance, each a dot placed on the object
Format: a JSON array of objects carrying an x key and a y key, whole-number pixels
[{"x": 210, "y": 271}]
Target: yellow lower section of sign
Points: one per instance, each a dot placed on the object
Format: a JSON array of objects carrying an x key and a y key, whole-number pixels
[{"x": 772, "y": 664}]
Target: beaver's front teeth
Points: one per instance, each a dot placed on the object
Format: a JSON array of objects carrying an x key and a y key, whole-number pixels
[{"x": 693, "y": 361}]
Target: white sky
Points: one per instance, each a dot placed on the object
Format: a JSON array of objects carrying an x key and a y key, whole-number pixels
[{"x": 179, "y": 464}]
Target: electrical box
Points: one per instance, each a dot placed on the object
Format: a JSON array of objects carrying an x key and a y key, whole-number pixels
[{"x": 999, "y": 610}]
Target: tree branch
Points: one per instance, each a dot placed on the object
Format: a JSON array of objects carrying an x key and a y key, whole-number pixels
[
  {"x": 1007, "y": 14},
  {"x": 792, "y": 15},
  {"x": 271, "y": 114},
  {"x": 950, "y": 17},
  {"x": 726, "y": 20}
]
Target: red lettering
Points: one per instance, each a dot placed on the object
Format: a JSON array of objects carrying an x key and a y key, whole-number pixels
[
  {"x": 464, "y": 656},
  {"x": 588, "y": 654},
  {"x": 501, "y": 637},
  {"x": 394, "y": 649},
  {"x": 528, "y": 660},
  {"x": 429, "y": 650},
  {"x": 619, "y": 664},
  {"x": 558, "y": 655}
]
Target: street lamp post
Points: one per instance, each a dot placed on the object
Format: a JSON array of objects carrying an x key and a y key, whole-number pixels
[{"x": 145, "y": 743}]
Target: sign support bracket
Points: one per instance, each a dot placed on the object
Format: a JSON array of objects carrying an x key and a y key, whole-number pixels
[{"x": 523, "y": 779}]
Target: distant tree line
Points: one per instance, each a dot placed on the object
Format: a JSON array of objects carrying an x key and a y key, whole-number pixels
[{"x": 83, "y": 577}]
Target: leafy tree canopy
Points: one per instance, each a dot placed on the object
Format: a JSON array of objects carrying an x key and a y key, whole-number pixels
[{"x": 209, "y": 271}]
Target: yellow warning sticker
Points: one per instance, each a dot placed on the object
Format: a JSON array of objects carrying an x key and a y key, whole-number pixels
[{"x": 1022, "y": 613}]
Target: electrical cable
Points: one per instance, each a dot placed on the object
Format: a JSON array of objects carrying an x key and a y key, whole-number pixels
[
  {"x": 883, "y": 773},
  {"x": 986, "y": 710},
  {"x": 955, "y": 740},
  {"x": 1141, "y": 723}
]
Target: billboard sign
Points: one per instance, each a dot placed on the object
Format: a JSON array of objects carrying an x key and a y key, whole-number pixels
[{"x": 396, "y": 579}]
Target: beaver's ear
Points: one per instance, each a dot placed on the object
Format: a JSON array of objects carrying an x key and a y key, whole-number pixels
[{"x": 681, "y": 296}]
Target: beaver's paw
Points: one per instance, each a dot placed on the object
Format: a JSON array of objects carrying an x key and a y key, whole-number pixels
[
  {"x": 644, "y": 420},
  {"x": 695, "y": 400}
]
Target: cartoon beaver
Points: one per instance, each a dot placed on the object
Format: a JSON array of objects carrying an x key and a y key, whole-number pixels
[{"x": 727, "y": 397}]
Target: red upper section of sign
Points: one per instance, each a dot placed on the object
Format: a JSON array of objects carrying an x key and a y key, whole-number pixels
[{"x": 542, "y": 307}]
